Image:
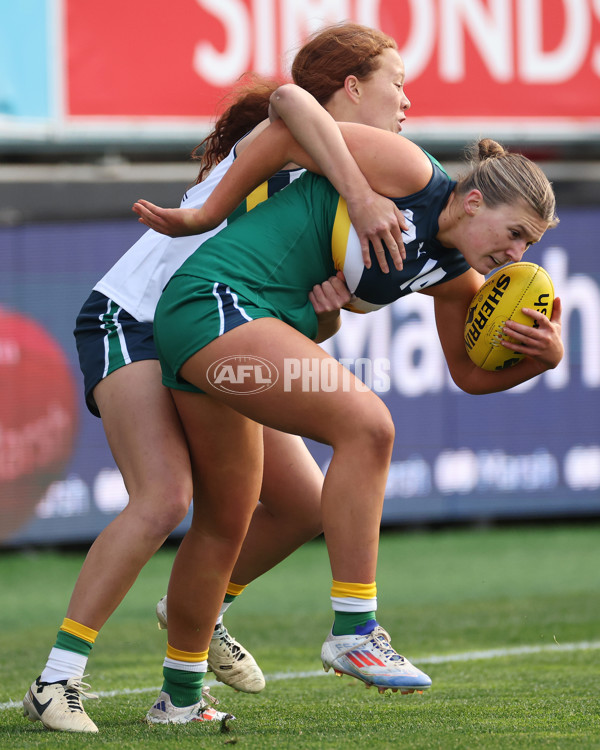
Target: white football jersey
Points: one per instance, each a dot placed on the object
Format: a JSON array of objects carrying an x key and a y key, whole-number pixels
[{"x": 137, "y": 279}]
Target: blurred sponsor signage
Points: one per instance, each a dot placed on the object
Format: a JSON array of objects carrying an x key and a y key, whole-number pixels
[
  {"x": 529, "y": 67},
  {"x": 38, "y": 417},
  {"x": 532, "y": 452}
]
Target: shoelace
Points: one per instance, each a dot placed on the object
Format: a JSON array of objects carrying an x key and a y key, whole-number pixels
[
  {"x": 234, "y": 648},
  {"x": 204, "y": 706},
  {"x": 74, "y": 690},
  {"x": 381, "y": 640},
  {"x": 211, "y": 698}
]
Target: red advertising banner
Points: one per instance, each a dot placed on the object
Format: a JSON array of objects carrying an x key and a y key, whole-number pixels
[{"x": 500, "y": 59}]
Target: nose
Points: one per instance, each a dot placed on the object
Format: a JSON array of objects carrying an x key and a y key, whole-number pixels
[
  {"x": 406, "y": 104},
  {"x": 516, "y": 251}
]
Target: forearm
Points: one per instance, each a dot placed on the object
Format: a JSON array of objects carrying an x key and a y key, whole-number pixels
[
  {"x": 329, "y": 325},
  {"x": 478, "y": 382},
  {"x": 543, "y": 352},
  {"x": 268, "y": 153},
  {"x": 319, "y": 136}
]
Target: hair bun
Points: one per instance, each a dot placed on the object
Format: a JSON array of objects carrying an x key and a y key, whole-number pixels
[{"x": 490, "y": 149}]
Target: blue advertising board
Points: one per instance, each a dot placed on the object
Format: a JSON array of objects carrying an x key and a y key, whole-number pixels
[
  {"x": 27, "y": 56},
  {"x": 533, "y": 452}
]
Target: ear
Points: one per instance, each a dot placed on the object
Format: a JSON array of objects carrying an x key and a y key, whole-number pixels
[
  {"x": 472, "y": 202},
  {"x": 352, "y": 88}
]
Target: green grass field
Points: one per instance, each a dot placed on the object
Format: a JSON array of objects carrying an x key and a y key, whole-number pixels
[{"x": 506, "y": 621}]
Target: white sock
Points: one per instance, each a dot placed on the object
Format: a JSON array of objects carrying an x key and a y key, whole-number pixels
[
  {"x": 186, "y": 666},
  {"x": 224, "y": 607},
  {"x": 62, "y": 665}
]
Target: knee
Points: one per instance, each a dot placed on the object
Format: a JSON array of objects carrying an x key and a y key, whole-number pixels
[
  {"x": 176, "y": 505},
  {"x": 310, "y": 528},
  {"x": 297, "y": 508},
  {"x": 384, "y": 430},
  {"x": 375, "y": 430},
  {"x": 381, "y": 438},
  {"x": 165, "y": 506},
  {"x": 171, "y": 516},
  {"x": 306, "y": 515},
  {"x": 229, "y": 531}
]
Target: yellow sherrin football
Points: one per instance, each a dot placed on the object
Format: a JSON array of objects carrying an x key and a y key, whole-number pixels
[{"x": 502, "y": 298}]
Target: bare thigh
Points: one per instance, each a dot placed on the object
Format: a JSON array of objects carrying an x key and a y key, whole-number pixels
[
  {"x": 147, "y": 442},
  {"x": 321, "y": 414},
  {"x": 145, "y": 436},
  {"x": 226, "y": 453},
  {"x": 354, "y": 421}
]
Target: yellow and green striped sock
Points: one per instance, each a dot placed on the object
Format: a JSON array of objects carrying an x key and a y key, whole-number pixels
[
  {"x": 73, "y": 636},
  {"x": 354, "y": 605},
  {"x": 183, "y": 675},
  {"x": 233, "y": 591}
]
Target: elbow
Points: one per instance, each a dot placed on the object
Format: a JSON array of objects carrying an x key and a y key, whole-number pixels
[
  {"x": 470, "y": 383},
  {"x": 283, "y": 95},
  {"x": 472, "y": 391},
  {"x": 470, "y": 388},
  {"x": 328, "y": 329}
]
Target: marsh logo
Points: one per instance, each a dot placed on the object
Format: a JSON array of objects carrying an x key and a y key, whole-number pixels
[{"x": 242, "y": 374}]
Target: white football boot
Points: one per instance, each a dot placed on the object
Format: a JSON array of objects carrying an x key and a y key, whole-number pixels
[
  {"x": 228, "y": 660},
  {"x": 371, "y": 658},
  {"x": 164, "y": 712},
  {"x": 58, "y": 705}
]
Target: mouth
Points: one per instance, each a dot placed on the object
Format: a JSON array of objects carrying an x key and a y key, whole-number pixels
[{"x": 400, "y": 121}]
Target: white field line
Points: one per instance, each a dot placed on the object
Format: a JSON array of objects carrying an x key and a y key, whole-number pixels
[{"x": 439, "y": 659}]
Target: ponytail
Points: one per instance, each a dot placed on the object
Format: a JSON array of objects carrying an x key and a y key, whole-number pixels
[{"x": 249, "y": 106}]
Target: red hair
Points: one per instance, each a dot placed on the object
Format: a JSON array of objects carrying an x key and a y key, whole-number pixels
[
  {"x": 321, "y": 66},
  {"x": 250, "y": 106},
  {"x": 332, "y": 54}
]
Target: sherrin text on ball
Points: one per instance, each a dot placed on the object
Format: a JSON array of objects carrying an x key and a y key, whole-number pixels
[{"x": 502, "y": 297}]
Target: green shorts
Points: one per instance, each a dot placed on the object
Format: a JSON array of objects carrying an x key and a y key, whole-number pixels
[{"x": 190, "y": 314}]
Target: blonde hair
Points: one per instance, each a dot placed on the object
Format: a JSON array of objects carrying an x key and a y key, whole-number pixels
[{"x": 504, "y": 177}]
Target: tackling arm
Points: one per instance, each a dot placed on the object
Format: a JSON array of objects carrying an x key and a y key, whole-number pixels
[
  {"x": 270, "y": 151},
  {"x": 542, "y": 345},
  {"x": 327, "y": 300}
]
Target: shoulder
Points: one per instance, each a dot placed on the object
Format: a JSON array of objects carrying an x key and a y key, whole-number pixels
[
  {"x": 246, "y": 140},
  {"x": 363, "y": 135},
  {"x": 275, "y": 125},
  {"x": 394, "y": 165}
]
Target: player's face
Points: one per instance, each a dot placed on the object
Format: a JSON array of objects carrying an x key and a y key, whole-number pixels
[
  {"x": 500, "y": 235},
  {"x": 383, "y": 103}
]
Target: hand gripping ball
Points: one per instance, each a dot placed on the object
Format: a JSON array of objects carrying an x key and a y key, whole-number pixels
[{"x": 502, "y": 297}]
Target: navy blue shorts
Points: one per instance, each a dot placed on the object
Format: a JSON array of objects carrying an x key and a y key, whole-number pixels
[{"x": 108, "y": 338}]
